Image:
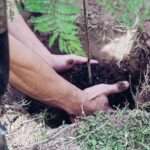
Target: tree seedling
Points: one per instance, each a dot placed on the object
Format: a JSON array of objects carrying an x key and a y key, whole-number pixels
[{"x": 87, "y": 40}]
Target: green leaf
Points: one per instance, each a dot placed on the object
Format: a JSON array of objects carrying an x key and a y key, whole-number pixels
[
  {"x": 53, "y": 38},
  {"x": 58, "y": 18}
]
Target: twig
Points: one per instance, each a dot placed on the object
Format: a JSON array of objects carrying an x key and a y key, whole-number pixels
[{"x": 87, "y": 41}]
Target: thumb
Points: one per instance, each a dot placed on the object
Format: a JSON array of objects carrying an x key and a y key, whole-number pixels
[
  {"x": 115, "y": 88},
  {"x": 81, "y": 60}
]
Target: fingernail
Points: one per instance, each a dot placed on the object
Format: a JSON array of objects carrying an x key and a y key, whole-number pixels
[
  {"x": 94, "y": 61},
  {"x": 70, "y": 62},
  {"x": 123, "y": 85}
]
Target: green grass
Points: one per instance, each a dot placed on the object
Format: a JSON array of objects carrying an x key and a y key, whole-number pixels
[
  {"x": 128, "y": 12},
  {"x": 124, "y": 130}
]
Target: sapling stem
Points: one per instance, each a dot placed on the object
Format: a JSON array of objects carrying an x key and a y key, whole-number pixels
[{"x": 87, "y": 40}]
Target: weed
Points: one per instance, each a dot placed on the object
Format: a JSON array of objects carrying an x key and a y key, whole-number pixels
[
  {"x": 128, "y": 12},
  {"x": 122, "y": 130},
  {"x": 58, "y": 18}
]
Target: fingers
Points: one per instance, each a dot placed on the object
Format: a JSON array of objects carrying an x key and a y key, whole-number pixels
[
  {"x": 93, "y": 61},
  {"x": 100, "y": 103},
  {"x": 107, "y": 89},
  {"x": 115, "y": 88},
  {"x": 103, "y": 104},
  {"x": 97, "y": 95},
  {"x": 79, "y": 60}
]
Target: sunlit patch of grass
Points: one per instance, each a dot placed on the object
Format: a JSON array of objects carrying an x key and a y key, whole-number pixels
[
  {"x": 128, "y": 12},
  {"x": 123, "y": 130}
]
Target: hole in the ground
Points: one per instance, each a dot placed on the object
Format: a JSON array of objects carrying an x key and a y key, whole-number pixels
[
  {"x": 102, "y": 73},
  {"x": 105, "y": 73},
  {"x": 53, "y": 117}
]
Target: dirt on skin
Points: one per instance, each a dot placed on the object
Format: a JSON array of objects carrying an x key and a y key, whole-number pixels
[{"x": 102, "y": 74}]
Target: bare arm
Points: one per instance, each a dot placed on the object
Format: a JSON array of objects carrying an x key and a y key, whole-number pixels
[
  {"x": 31, "y": 75},
  {"x": 20, "y": 30}
]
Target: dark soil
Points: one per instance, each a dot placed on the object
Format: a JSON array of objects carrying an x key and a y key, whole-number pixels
[
  {"x": 53, "y": 117},
  {"x": 131, "y": 69},
  {"x": 104, "y": 73},
  {"x": 4, "y": 61}
]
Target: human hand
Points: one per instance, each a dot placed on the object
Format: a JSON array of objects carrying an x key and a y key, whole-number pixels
[
  {"x": 97, "y": 96},
  {"x": 65, "y": 62}
]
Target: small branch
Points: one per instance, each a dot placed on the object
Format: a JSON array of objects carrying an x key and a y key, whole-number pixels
[{"x": 87, "y": 41}]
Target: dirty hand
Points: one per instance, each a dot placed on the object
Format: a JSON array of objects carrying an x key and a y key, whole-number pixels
[
  {"x": 65, "y": 62},
  {"x": 97, "y": 99}
]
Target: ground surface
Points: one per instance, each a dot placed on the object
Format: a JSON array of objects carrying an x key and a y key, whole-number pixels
[
  {"x": 124, "y": 130},
  {"x": 29, "y": 132}
]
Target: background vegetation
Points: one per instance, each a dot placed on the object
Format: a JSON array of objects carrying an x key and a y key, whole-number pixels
[
  {"x": 123, "y": 130},
  {"x": 128, "y": 12},
  {"x": 58, "y": 18}
]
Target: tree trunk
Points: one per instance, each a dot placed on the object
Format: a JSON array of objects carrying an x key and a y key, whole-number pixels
[{"x": 4, "y": 52}]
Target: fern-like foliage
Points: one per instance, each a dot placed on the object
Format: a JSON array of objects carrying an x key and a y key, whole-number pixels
[
  {"x": 58, "y": 18},
  {"x": 127, "y": 12}
]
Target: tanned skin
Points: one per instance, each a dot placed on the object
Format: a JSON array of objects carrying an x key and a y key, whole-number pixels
[{"x": 33, "y": 71}]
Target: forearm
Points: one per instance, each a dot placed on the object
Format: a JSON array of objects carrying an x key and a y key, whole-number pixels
[
  {"x": 31, "y": 75},
  {"x": 20, "y": 30}
]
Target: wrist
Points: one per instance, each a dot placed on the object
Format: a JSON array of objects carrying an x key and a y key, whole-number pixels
[
  {"x": 52, "y": 60},
  {"x": 88, "y": 105},
  {"x": 84, "y": 106},
  {"x": 79, "y": 104},
  {"x": 76, "y": 103}
]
